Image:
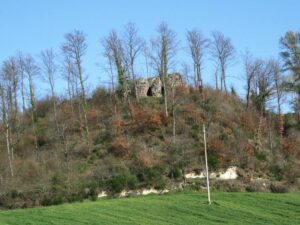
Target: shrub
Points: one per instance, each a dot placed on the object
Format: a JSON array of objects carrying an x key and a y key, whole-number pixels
[
  {"x": 228, "y": 185},
  {"x": 100, "y": 96},
  {"x": 213, "y": 161},
  {"x": 256, "y": 186},
  {"x": 175, "y": 173},
  {"x": 152, "y": 177},
  {"x": 120, "y": 147},
  {"x": 260, "y": 156},
  {"x": 278, "y": 188},
  {"x": 52, "y": 199},
  {"x": 191, "y": 115},
  {"x": 57, "y": 182},
  {"x": 118, "y": 183},
  {"x": 43, "y": 107},
  {"x": 160, "y": 184},
  {"x": 145, "y": 159},
  {"x": 275, "y": 172},
  {"x": 290, "y": 145},
  {"x": 147, "y": 119}
]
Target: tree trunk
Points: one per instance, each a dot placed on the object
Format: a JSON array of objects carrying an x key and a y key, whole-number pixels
[
  {"x": 216, "y": 78},
  {"x": 23, "y": 92},
  {"x": 135, "y": 84},
  {"x": 165, "y": 74},
  {"x": 9, "y": 150},
  {"x": 33, "y": 110},
  {"x": 83, "y": 99},
  {"x": 5, "y": 121},
  {"x": 223, "y": 79}
]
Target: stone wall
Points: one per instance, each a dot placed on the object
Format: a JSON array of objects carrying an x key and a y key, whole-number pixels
[{"x": 153, "y": 86}]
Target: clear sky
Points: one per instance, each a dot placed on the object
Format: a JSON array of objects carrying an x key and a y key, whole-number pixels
[{"x": 33, "y": 25}]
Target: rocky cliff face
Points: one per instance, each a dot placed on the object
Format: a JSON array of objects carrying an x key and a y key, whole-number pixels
[{"x": 153, "y": 86}]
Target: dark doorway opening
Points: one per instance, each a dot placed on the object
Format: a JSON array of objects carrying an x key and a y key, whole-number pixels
[
  {"x": 162, "y": 91},
  {"x": 149, "y": 92}
]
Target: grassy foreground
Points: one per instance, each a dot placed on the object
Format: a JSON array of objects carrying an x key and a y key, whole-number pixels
[{"x": 179, "y": 208}]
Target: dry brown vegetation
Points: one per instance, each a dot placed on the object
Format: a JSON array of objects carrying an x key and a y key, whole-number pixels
[{"x": 134, "y": 146}]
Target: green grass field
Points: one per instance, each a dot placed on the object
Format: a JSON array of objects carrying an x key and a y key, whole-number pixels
[{"x": 179, "y": 208}]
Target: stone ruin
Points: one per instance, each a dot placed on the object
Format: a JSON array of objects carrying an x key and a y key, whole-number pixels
[{"x": 153, "y": 86}]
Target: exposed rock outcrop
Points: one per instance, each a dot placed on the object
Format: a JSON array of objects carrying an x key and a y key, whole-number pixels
[
  {"x": 153, "y": 86},
  {"x": 142, "y": 87}
]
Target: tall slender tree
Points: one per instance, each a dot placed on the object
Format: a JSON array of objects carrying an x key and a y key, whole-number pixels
[
  {"x": 21, "y": 66},
  {"x": 197, "y": 45},
  {"x": 251, "y": 67},
  {"x": 49, "y": 68},
  {"x": 164, "y": 48},
  {"x": 222, "y": 52},
  {"x": 113, "y": 50},
  {"x": 278, "y": 80},
  {"x": 31, "y": 69},
  {"x": 133, "y": 46},
  {"x": 290, "y": 45},
  {"x": 74, "y": 48}
]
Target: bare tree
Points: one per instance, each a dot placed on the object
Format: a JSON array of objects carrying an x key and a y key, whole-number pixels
[
  {"x": 146, "y": 54},
  {"x": 109, "y": 70},
  {"x": 133, "y": 46},
  {"x": 10, "y": 85},
  {"x": 11, "y": 76},
  {"x": 7, "y": 128},
  {"x": 222, "y": 52},
  {"x": 74, "y": 48},
  {"x": 278, "y": 80},
  {"x": 261, "y": 92},
  {"x": 9, "y": 106},
  {"x": 163, "y": 52},
  {"x": 252, "y": 67},
  {"x": 69, "y": 75},
  {"x": 31, "y": 69},
  {"x": 290, "y": 54},
  {"x": 113, "y": 49},
  {"x": 49, "y": 68},
  {"x": 197, "y": 45},
  {"x": 21, "y": 68},
  {"x": 263, "y": 86},
  {"x": 186, "y": 73}
]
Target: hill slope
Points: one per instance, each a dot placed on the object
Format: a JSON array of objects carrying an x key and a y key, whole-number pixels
[{"x": 134, "y": 145}]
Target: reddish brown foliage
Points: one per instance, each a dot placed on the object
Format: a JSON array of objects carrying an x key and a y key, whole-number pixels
[
  {"x": 120, "y": 147},
  {"x": 246, "y": 123},
  {"x": 192, "y": 115},
  {"x": 218, "y": 148},
  {"x": 291, "y": 146},
  {"x": 93, "y": 115},
  {"x": 183, "y": 90},
  {"x": 118, "y": 126},
  {"x": 164, "y": 119},
  {"x": 147, "y": 119},
  {"x": 145, "y": 159},
  {"x": 65, "y": 112},
  {"x": 246, "y": 147}
]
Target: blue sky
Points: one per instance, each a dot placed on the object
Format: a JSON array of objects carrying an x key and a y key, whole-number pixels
[{"x": 256, "y": 25}]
